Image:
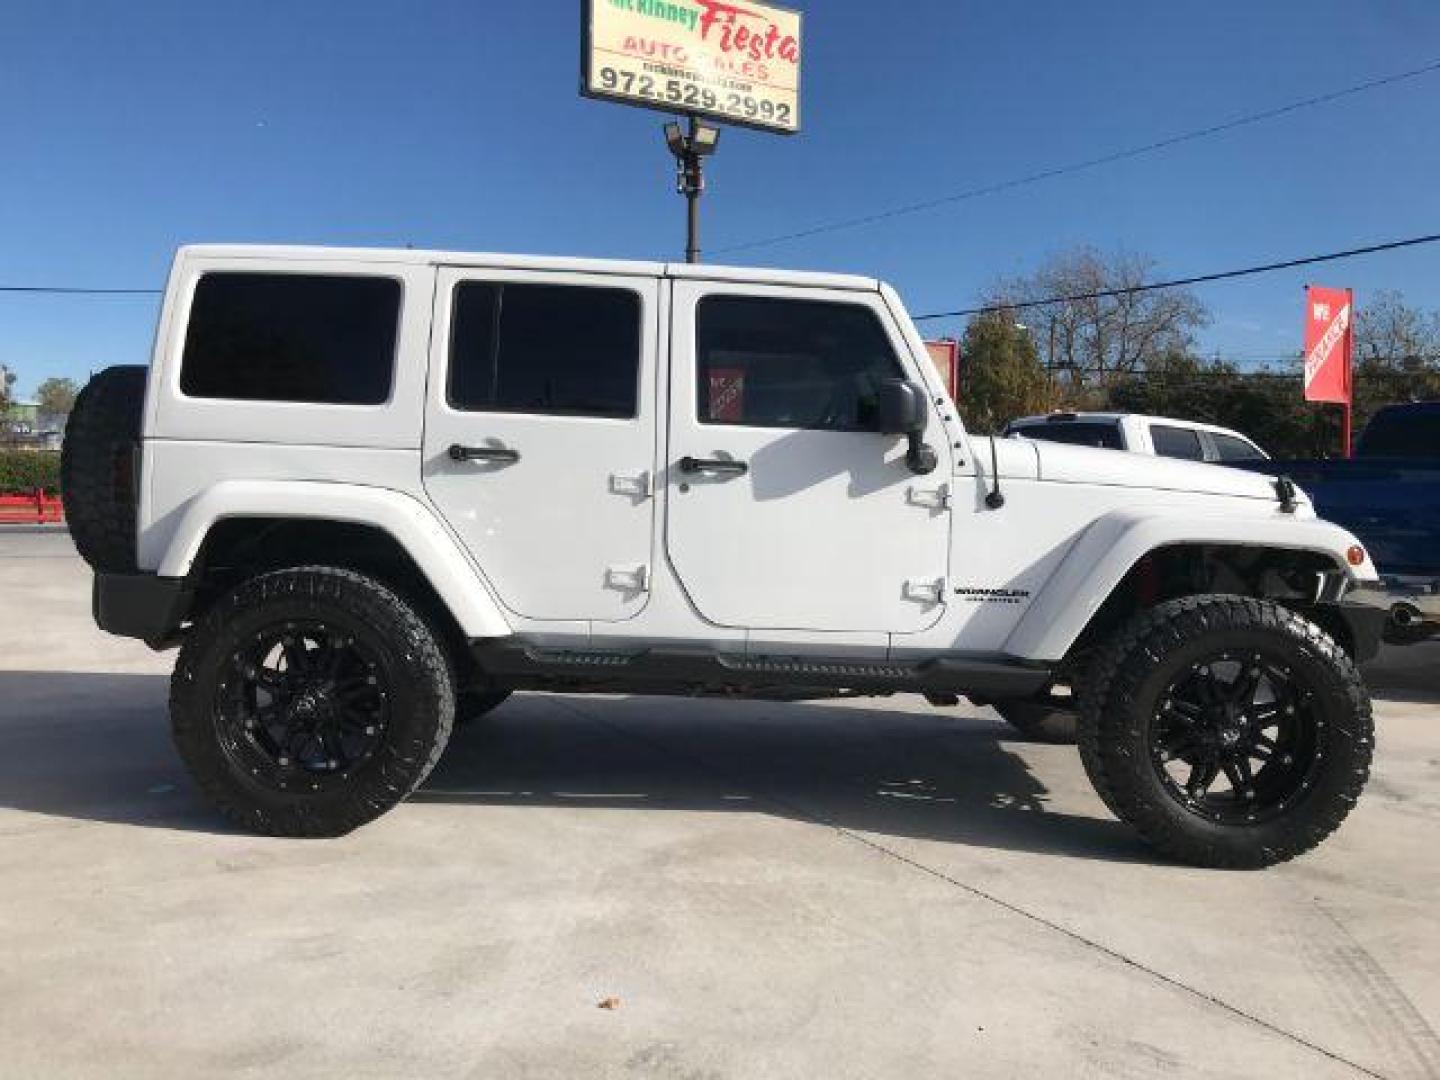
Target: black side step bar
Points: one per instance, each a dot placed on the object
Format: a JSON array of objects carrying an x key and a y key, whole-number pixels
[{"x": 517, "y": 662}]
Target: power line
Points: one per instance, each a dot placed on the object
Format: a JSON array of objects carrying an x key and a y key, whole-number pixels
[
  {"x": 1222, "y": 275},
  {"x": 69, "y": 290},
  {"x": 1197, "y": 279},
  {"x": 1088, "y": 163}
]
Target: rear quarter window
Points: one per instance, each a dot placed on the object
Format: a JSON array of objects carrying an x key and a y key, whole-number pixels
[
  {"x": 1230, "y": 448},
  {"x": 1082, "y": 433},
  {"x": 310, "y": 338},
  {"x": 1177, "y": 442}
]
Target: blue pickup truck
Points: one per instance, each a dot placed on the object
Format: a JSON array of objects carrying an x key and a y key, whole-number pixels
[{"x": 1388, "y": 495}]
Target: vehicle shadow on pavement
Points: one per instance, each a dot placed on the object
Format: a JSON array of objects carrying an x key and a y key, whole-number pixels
[
  {"x": 96, "y": 746},
  {"x": 925, "y": 774},
  {"x": 1408, "y": 673}
]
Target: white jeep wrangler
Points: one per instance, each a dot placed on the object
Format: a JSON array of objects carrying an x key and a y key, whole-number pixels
[{"x": 366, "y": 491}]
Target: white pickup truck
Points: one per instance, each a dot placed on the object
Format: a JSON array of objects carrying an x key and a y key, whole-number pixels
[
  {"x": 1164, "y": 436},
  {"x": 365, "y": 490}
]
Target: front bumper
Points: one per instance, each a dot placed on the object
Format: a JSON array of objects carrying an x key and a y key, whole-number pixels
[{"x": 144, "y": 606}]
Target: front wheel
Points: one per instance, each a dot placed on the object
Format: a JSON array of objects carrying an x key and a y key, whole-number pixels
[
  {"x": 1230, "y": 732},
  {"x": 310, "y": 701}
]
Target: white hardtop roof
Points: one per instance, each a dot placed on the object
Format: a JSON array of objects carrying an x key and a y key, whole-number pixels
[{"x": 493, "y": 260}]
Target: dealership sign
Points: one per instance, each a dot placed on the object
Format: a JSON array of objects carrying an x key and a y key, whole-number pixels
[
  {"x": 736, "y": 62},
  {"x": 1329, "y": 314}
]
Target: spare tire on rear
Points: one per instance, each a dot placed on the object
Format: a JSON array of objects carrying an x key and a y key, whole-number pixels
[{"x": 98, "y": 468}]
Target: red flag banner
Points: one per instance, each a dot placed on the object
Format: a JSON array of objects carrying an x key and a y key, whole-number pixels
[{"x": 1329, "y": 315}]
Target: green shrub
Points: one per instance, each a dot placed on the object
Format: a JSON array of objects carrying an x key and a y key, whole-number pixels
[{"x": 22, "y": 471}]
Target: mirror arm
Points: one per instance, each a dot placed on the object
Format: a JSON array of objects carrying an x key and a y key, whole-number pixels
[{"x": 919, "y": 456}]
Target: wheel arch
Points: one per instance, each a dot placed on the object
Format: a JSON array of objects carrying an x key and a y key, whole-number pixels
[
  {"x": 241, "y": 527},
  {"x": 1128, "y": 561}
]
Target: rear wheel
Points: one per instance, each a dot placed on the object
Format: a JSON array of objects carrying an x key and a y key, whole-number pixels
[
  {"x": 1230, "y": 732},
  {"x": 310, "y": 701}
]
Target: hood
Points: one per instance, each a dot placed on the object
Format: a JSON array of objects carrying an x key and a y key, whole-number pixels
[{"x": 1065, "y": 464}]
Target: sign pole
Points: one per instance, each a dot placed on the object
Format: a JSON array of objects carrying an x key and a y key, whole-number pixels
[
  {"x": 705, "y": 62},
  {"x": 1349, "y": 403},
  {"x": 692, "y": 183}
]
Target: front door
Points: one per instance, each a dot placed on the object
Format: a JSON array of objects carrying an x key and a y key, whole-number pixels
[
  {"x": 540, "y": 435},
  {"x": 787, "y": 510}
]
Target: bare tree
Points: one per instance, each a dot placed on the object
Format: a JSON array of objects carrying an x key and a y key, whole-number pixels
[
  {"x": 1392, "y": 336},
  {"x": 7, "y": 380},
  {"x": 1100, "y": 330}
]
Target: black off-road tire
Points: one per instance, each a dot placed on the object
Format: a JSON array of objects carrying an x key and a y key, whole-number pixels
[
  {"x": 471, "y": 706},
  {"x": 98, "y": 481},
  {"x": 1119, "y": 703},
  {"x": 412, "y": 667},
  {"x": 1039, "y": 721}
]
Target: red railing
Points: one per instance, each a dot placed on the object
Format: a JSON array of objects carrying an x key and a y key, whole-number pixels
[{"x": 37, "y": 508}]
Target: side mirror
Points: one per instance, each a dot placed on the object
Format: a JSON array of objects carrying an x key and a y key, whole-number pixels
[{"x": 900, "y": 410}]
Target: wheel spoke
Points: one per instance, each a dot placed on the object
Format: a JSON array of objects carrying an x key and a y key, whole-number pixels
[
  {"x": 292, "y": 648},
  {"x": 1237, "y": 771},
  {"x": 1242, "y": 690},
  {"x": 1177, "y": 741},
  {"x": 1202, "y": 775},
  {"x": 1185, "y": 711}
]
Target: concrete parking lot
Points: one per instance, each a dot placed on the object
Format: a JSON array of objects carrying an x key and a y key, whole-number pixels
[{"x": 842, "y": 890}]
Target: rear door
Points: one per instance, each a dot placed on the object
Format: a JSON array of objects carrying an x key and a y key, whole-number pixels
[
  {"x": 787, "y": 510},
  {"x": 540, "y": 435}
]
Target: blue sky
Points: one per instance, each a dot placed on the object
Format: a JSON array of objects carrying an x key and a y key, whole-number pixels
[{"x": 127, "y": 129}]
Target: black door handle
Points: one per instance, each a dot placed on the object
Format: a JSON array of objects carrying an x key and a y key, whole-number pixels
[
  {"x": 720, "y": 465},
  {"x": 483, "y": 453}
]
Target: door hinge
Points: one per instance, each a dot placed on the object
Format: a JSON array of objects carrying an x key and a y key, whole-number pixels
[
  {"x": 925, "y": 590},
  {"x": 637, "y": 485},
  {"x": 628, "y": 578},
  {"x": 930, "y": 498}
]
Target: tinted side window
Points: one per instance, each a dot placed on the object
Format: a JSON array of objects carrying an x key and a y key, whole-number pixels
[
  {"x": 560, "y": 349},
  {"x": 1402, "y": 431},
  {"x": 292, "y": 337},
  {"x": 1233, "y": 449},
  {"x": 1177, "y": 442},
  {"x": 1106, "y": 436},
  {"x": 790, "y": 363}
]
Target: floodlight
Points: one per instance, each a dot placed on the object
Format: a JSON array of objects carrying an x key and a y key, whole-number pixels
[
  {"x": 675, "y": 139},
  {"x": 704, "y": 139}
]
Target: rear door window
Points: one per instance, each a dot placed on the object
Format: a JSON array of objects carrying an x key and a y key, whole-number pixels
[
  {"x": 1177, "y": 442},
  {"x": 312, "y": 338},
  {"x": 568, "y": 350}
]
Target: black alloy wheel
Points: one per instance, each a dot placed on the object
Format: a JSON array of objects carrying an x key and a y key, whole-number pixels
[
  {"x": 1236, "y": 737},
  {"x": 310, "y": 700},
  {"x": 302, "y": 705},
  {"x": 1229, "y": 731}
]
